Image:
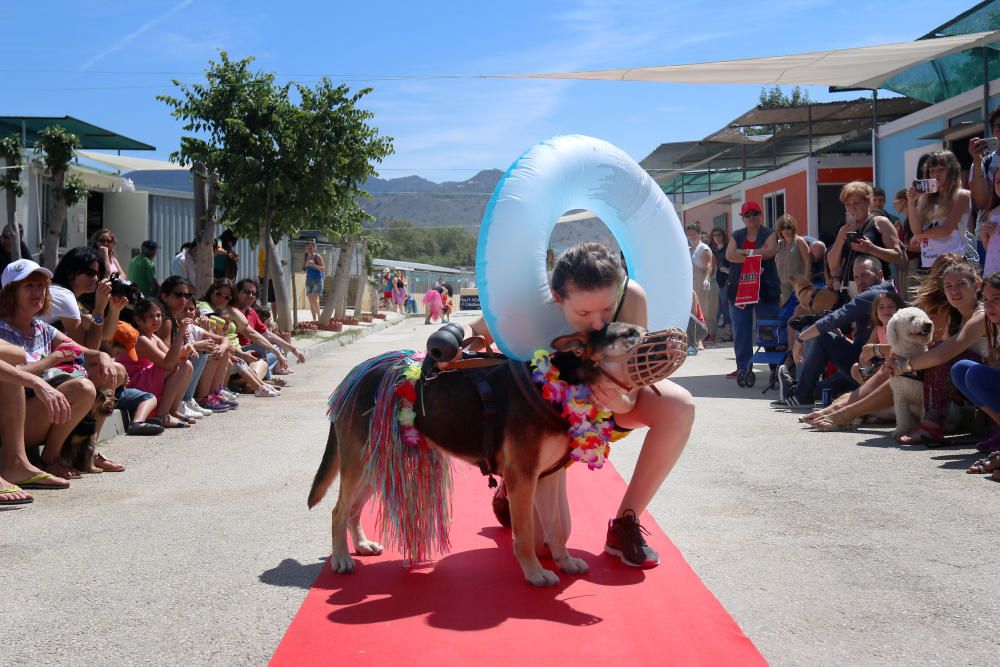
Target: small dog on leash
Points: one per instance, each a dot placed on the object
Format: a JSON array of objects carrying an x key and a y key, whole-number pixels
[
  {"x": 910, "y": 332},
  {"x": 81, "y": 444}
]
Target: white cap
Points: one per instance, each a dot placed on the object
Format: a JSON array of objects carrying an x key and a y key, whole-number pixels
[{"x": 20, "y": 270}]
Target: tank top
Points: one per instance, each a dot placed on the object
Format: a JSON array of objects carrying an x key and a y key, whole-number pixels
[
  {"x": 931, "y": 249},
  {"x": 870, "y": 231},
  {"x": 789, "y": 260}
]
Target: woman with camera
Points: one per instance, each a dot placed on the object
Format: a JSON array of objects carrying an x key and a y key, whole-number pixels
[
  {"x": 861, "y": 234},
  {"x": 935, "y": 217},
  {"x": 82, "y": 299}
]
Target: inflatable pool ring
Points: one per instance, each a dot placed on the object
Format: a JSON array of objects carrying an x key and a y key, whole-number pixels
[{"x": 556, "y": 176}]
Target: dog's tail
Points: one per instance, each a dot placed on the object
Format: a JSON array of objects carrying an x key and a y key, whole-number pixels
[{"x": 329, "y": 467}]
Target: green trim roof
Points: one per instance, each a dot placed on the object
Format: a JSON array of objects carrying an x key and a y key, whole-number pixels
[{"x": 90, "y": 136}]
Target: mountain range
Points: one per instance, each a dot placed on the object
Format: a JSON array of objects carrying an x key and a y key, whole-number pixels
[{"x": 429, "y": 204}]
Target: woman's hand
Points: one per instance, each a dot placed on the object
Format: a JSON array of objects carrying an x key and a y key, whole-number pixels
[
  {"x": 912, "y": 195},
  {"x": 117, "y": 304},
  {"x": 798, "y": 351},
  {"x": 101, "y": 296},
  {"x": 866, "y": 356},
  {"x": 609, "y": 396},
  {"x": 54, "y": 402},
  {"x": 863, "y": 244},
  {"x": 204, "y": 345},
  {"x": 298, "y": 355}
]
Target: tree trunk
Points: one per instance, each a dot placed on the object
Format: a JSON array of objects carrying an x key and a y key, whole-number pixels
[
  {"x": 359, "y": 298},
  {"x": 15, "y": 245},
  {"x": 282, "y": 312},
  {"x": 336, "y": 303},
  {"x": 204, "y": 225},
  {"x": 51, "y": 254}
]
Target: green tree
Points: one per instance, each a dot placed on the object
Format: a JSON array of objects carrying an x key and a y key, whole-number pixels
[
  {"x": 443, "y": 246},
  {"x": 287, "y": 156},
  {"x": 776, "y": 98},
  {"x": 10, "y": 151},
  {"x": 56, "y": 146}
]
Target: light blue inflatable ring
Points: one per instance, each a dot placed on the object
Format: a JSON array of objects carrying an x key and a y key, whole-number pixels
[{"x": 556, "y": 176}]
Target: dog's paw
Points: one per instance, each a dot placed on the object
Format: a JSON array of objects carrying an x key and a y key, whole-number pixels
[
  {"x": 342, "y": 564},
  {"x": 368, "y": 548},
  {"x": 542, "y": 577},
  {"x": 570, "y": 565}
]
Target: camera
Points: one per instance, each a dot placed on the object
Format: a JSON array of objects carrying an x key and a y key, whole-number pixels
[
  {"x": 124, "y": 288},
  {"x": 992, "y": 144},
  {"x": 926, "y": 185}
]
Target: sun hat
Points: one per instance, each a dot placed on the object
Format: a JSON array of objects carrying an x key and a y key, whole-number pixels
[
  {"x": 21, "y": 269},
  {"x": 126, "y": 335}
]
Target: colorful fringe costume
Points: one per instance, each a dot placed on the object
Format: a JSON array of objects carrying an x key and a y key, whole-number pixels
[{"x": 412, "y": 479}]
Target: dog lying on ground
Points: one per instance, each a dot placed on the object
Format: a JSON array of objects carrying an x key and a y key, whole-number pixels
[
  {"x": 910, "y": 332},
  {"x": 81, "y": 444},
  {"x": 454, "y": 416}
]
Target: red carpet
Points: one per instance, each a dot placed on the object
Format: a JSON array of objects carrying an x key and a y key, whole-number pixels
[{"x": 474, "y": 607}]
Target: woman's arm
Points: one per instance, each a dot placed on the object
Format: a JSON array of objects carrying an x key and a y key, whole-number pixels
[
  {"x": 835, "y": 255},
  {"x": 959, "y": 209},
  {"x": 953, "y": 346},
  {"x": 806, "y": 260},
  {"x": 913, "y": 216}
]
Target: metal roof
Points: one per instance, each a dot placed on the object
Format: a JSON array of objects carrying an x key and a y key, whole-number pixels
[
  {"x": 410, "y": 266},
  {"x": 90, "y": 136}
]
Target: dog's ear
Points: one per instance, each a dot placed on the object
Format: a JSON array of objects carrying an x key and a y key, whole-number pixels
[{"x": 575, "y": 343}]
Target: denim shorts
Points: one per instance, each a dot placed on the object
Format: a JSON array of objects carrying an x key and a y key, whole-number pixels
[
  {"x": 130, "y": 398},
  {"x": 314, "y": 287}
]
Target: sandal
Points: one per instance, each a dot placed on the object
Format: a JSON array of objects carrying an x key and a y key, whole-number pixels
[
  {"x": 923, "y": 434},
  {"x": 980, "y": 466},
  {"x": 106, "y": 464}
]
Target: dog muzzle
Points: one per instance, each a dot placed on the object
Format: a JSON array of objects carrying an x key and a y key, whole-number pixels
[{"x": 656, "y": 356}]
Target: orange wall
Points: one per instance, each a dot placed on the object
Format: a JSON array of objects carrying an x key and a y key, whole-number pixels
[
  {"x": 844, "y": 175},
  {"x": 706, "y": 213},
  {"x": 795, "y": 196}
]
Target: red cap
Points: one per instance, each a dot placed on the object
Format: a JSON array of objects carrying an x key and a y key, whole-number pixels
[{"x": 751, "y": 206}]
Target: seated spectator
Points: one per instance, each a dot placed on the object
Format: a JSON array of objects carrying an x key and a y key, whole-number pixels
[
  {"x": 137, "y": 405},
  {"x": 966, "y": 340},
  {"x": 870, "y": 372},
  {"x": 81, "y": 274},
  {"x": 250, "y": 370},
  {"x": 160, "y": 369},
  {"x": 831, "y": 344},
  {"x": 15, "y": 384},
  {"x": 211, "y": 395},
  {"x": 817, "y": 258},
  {"x": 23, "y": 297},
  {"x": 104, "y": 242},
  {"x": 873, "y": 235},
  {"x": 6, "y": 241},
  {"x": 142, "y": 270},
  {"x": 980, "y": 382},
  {"x": 265, "y": 342}
]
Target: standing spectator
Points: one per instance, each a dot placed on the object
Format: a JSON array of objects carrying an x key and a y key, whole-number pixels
[
  {"x": 984, "y": 165},
  {"x": 793, "y": 255},
  {"x": 399, "y": 292},
  {"x": 723, "y": 323},
  {"x": 142, "y": 270},
  {"x": 987, "y": 231},
  {"x": 872, "y": 235},
  {"x": 6, "y": 241},
  {"x": 877, "y": 204},
  {"x": 744, "y": 243},
  {"x": 387, "y": 290},
  {"x": 225, "y": 263},
  {"x": 104, "y": 242},
  {"x": 703, "y": 268},
  {"x": 315, "y": 272},
  {"x": 936, "y": 217},
  {"x": 906, "y": 271},
  {"x": 185, "y": 263}
]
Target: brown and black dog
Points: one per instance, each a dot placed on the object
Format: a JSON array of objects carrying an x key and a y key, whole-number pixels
[
  {"x": 454, "y": 417},
  {"x": 81, "y": 444}
]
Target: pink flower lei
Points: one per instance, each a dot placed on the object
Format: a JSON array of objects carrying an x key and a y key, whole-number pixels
[
  {"x": 590, "y": 428},
  {"x": 407, "y": 392}
]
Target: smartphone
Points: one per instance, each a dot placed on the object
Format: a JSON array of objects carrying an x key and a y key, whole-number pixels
[
  {"x": 992, "y": 144},
  {"x": 850, "y": 237},
  {"x": 926, "y": 185}
]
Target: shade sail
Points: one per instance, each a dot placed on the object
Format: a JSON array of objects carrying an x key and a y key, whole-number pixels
[
  {"x": 29, "y": 128},
  {"x": 130, "y": 163},
  {"x": 864, "y": 67}
]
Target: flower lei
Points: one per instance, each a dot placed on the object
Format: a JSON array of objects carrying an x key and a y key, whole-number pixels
[
  {"x": 590, "y": 428},
  {"x": 407, "y": 392}
]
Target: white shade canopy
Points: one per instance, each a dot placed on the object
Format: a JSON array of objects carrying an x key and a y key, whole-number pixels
[
  {"x": 125, "y": 163},
  {"x": 865, "y": 67}
]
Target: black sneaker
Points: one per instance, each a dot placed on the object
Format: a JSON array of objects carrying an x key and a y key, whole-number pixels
[
  {"x": 625, "y": 540},
  {"x": 786, "y": 390}
]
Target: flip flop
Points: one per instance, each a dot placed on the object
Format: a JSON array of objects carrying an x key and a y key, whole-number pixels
[
  {"x": 107, "y": 465},
  {"x": 34, "y": 483},
  {"x": 11, "y": 491}
]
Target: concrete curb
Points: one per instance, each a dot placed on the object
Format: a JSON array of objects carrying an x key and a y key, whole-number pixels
[{"x": 321, "y": 343}]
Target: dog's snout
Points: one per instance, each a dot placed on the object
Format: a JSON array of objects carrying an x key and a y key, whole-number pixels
[{"x": 927, "y": 327}]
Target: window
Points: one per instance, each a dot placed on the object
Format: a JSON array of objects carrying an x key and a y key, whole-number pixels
[
  {"x": 774, "y": 207},
  {"x": 720, "y": 221}
]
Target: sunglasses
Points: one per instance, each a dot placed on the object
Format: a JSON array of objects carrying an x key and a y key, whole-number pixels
[
  {"x": 183, "y": 295},
  {"x": 752, "y": 214},
  {"x": 225, "y": 295},
  {"x": 103, "y": 241},
  {"x": 248, "y": 292}
]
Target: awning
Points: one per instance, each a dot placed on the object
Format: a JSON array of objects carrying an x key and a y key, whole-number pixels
[
  {"x": 29, "y": 128},
  {"x": 865, "y": 67},
  {"x": 124, "y": 163}
]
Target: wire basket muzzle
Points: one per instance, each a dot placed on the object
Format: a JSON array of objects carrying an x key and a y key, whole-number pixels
[{"x": 656, "y": 356}]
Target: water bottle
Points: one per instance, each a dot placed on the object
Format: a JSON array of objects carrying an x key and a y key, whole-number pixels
[{"x": 826, "y": 397}]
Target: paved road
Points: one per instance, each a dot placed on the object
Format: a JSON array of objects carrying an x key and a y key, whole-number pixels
[{"x": 827, "y": 549}]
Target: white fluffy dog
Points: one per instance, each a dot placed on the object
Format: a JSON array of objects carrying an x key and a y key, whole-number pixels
[{"x": 910, "y": 331}]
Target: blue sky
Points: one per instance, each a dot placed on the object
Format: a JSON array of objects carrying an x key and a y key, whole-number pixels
[{"x": 104, "y": 62}]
